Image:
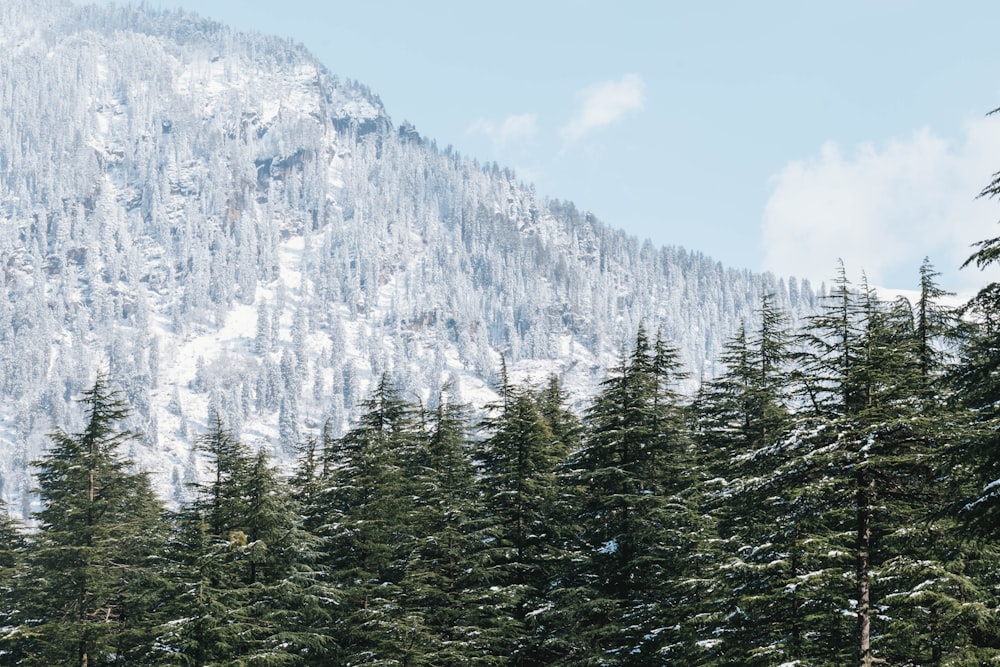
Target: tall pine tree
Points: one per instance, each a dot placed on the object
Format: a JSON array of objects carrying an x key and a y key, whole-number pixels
[
  {"x": 369, "y": 540},
  {"x": 634, "y": 602},
  {"x": 741, "y": 415},
  {"x": 439, "y": 583},
  {"x": 90, "y": 558},
  {"x": 519, "y": 530}
]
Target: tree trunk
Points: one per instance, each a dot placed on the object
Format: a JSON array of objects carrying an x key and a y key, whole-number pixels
[
  {"x": 864, "y": 564},
  {"x": 795, "y": 630}
]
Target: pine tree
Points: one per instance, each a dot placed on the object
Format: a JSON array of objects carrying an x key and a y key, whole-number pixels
[
  {"x": 317, "y": 597},
  {"x": 209, "y": 624},
  {"x": 13, "y": 587},
  {"x": 289, "y": 596},
  {"x": 439, "y": 582},
  {"x": 90, "y": 558},
  {"x": 307, "y": 482},
  {"x": 971, "y": 469},
  {"x": 368, "y": 538},
  {"x": 248, "y": 590},
  {"x": 975, "y": 380},
  {"x": 638, "y": 524},
  {"x": 750, "y": 616},
  {"x": 565, "y": 424},
  {"x": 12, "y": 545},
  {"x": 199, "y": 630},
  {"x": 221, "y": 499},
  {"x": 519, "y": 530},
  {"x": 746, "y": 408},
  {"x": 859, "y": 459},
  {"x": 936, "y": 585},
  {"x": 935, "y": 327}
]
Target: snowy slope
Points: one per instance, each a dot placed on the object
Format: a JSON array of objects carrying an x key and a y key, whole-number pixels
[{"x": 222, "y": 224}]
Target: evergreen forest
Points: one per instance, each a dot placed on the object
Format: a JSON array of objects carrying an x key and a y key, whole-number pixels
[
  {"x": 821, "y": 488},
  {"x": 829, "y": 499}
]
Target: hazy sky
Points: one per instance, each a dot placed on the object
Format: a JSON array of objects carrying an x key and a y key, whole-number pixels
[{"x": 769, "y": 135}]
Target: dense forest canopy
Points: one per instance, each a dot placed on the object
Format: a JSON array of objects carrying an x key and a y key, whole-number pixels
[{"x": 828, "y": 499}]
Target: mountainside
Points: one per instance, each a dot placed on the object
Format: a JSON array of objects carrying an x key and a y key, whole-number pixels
[{"x": 223, "y": 224}]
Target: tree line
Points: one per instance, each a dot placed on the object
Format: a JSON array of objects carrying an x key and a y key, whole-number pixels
[{"x": 829, "y": 499}]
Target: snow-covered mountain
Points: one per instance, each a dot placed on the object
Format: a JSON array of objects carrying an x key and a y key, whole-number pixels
[{"x": 222, "y": 223}]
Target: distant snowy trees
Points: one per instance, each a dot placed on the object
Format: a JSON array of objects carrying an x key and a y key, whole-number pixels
[{"x": 160, "y": 175}]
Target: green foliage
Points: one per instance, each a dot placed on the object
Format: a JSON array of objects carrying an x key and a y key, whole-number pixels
[
  {"x": 13, "y": 638},
  {"x": 639, "y": 526},
  {"x": 93, "y": 591},
  {"x": 811, "y": 506},
  {"x": 246, "y": 584},
  {"x": 519, "y": 529},
  {"x": 754, "y": 607},
  {"x": 439, "y": 581},
  {"x": 368, "y": 537}
]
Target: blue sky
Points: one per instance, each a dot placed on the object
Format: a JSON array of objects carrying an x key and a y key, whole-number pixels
[{"x": 769, "y": 135}]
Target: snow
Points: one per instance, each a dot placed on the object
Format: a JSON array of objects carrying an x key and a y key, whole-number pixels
[
  {"x": 541, "y": 610},
  {"x": 171, "y": 208},
  {"x": 610, "y": 547}
]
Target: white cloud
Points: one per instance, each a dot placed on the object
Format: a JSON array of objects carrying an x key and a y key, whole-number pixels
[
  {"x": 882, "y": 209},
  {"x": 512, "y": 129},
  {"x": 604, "y": 104}
]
